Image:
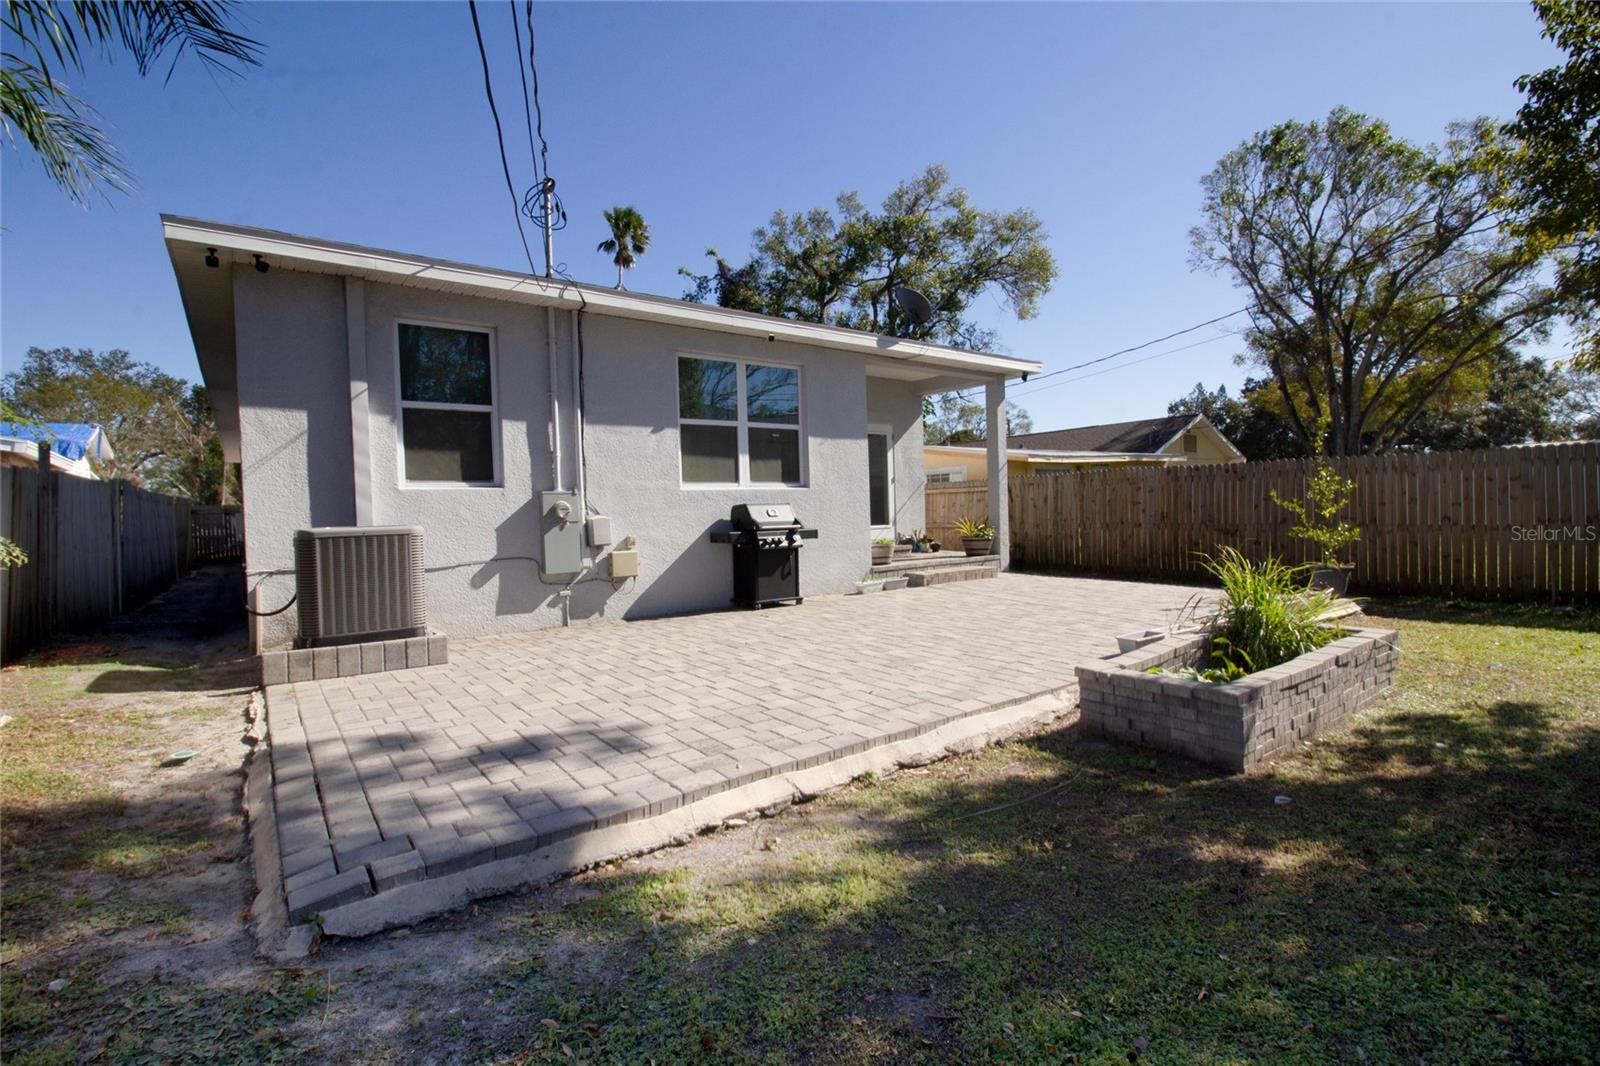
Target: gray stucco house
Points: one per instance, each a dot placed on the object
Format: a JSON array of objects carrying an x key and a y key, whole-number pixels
[{"x": 361, "y": 387}]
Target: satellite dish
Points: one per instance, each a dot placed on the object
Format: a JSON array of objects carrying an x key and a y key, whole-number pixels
[{"x": 914, "y": 304}]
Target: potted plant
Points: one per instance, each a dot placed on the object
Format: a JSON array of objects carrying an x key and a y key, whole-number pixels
[
  {"x": 868, "y": 583},
  {"x": 977, "y": 538},
  {"x": 1327, "y": 495},
  {"x": 882, "y": 551}
]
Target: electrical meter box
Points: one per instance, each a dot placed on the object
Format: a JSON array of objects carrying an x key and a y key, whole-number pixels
[{"x": 561, "y": 524}]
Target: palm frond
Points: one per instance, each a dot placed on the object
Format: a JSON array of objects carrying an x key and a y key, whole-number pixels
[{"x": 60, "y": 129}]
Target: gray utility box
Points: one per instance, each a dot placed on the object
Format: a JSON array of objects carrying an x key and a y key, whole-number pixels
[{"x": 561, "y": 533}]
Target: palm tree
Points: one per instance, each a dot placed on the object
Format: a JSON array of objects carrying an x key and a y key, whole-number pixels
[
  {"x": 59, "y": 127},
  {"x": 629, "y": 238}
]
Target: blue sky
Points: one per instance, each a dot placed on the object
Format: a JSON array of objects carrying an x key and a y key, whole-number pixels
[{"x": 367, "y": 123}]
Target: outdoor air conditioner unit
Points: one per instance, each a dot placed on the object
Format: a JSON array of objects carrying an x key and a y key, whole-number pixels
[{"x": 358, "y": 583}]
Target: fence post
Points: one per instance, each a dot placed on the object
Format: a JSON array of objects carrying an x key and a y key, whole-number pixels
[{"x": 117, "y": 534}]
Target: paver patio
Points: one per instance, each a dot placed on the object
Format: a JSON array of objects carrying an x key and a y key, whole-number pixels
[{"x": 524, "y": 740}]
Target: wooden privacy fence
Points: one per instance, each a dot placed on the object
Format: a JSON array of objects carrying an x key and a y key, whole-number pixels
[
  {"x": 1501, "y": 523},
  {"x": 95, "y": 549},
  {"x": 949, "y": 502},
  {"x": 216, "y": 534}
]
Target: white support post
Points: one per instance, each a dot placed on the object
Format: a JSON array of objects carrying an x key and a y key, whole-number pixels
[
  {"x": 994, "y": 395},
  {"x": 355, "y": 326}
]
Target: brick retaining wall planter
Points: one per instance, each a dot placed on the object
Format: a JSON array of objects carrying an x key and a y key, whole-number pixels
[{"x": 1243, "y": 724}]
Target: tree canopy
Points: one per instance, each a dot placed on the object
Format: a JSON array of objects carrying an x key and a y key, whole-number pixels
[
  {"x": 1378, "y": 270},
  {"x": 841, "y": 266},
  {"x": 159, "y": 425},
  {"x": 1555, "y": 163}
]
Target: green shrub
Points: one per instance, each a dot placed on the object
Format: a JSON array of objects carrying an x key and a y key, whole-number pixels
[{"x": 1267, "y": 616}]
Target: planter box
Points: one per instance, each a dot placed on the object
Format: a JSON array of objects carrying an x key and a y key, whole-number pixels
[{"x": 1246, "y": 723}]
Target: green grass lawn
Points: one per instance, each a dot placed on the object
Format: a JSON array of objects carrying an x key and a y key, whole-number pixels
[{"x": 1429, "y": 893}]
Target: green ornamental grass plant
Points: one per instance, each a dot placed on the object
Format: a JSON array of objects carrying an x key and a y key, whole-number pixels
[{"x": 1267, "y": 616}]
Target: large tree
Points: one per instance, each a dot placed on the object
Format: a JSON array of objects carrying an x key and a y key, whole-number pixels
[
  {"x": 1555, "y": 162},
  {"x": 45, "y": 38},
  {"x": 956, "y": 418},
  {"x": 158, "y": 425},
  {"x": 841, "y": 266},
  {"x": 1378, "y": 270},
  {"x": 1252, "y": 420}
]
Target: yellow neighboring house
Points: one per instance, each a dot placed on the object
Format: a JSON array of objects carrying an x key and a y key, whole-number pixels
[{"x": 1151, "y": 441}]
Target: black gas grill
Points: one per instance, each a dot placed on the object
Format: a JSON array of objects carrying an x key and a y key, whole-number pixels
[{"x": 766, "y": 553}]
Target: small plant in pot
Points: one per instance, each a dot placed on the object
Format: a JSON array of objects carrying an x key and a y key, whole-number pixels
[
  {"x": 977, "y": 538},
  {"x": 882, "y": 550},
  {"x": 868, "y": 583},
  {"x": 1327, "y": 495}
]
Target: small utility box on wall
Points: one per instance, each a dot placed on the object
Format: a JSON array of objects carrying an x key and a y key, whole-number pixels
[{"x": 561, "y": 524}]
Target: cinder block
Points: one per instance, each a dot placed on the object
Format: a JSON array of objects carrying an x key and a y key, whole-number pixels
[
  {"x": 324, "y": 663},
  {"x": 416, "y": 652},
  {"x": 349, "y": 660},
  {"x": 394, "y": 655},
  {"x": 371, "y": 657},
  {"x": 300, "y": 665},
  {"x": 274, "y": 668},
  {"x": 438, "y": 650}
]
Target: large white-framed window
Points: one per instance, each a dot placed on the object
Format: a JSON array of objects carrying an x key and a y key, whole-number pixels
[
  {"x": 739, "y": 422},
  {"x": 880, "y": 478},
  {"x": 449, "y": 421}
]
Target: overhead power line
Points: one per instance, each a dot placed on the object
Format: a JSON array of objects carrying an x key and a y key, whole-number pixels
[
  {"x": 1126, "y": 351},
  {"x": 1138, "y": 347},
  {"x": 499, "y": 133},
  {"x": 1122, "y": 366}
]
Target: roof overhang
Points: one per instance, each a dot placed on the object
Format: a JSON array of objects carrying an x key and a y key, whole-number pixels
[{"x": 208, "y": 303}]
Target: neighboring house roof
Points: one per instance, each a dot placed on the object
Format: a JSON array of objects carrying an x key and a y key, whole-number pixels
[
  {"x": 1143, "y": 436},
  {"x": 72, "y": 444},
  {"x": 208, "y": 303}
]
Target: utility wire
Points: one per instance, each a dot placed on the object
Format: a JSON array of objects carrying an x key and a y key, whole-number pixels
[
  {"x": 1138, "y": 347},
  {"x": 1126, "y": 351},
  {"x": 522, "y": 73},
  {"x": 499, "y": 134},
  {"x": 1123, "y": 366}
]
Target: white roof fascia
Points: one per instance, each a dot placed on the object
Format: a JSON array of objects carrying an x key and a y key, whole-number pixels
[{"x": 288, "y": 250}]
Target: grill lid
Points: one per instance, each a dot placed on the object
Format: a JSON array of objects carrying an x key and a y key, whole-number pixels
[{"x": 762, "y": 516}]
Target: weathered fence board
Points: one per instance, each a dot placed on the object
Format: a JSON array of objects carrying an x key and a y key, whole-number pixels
[
  {"x": 1511, "y": 523},
  {"x": 95, "y": 549}
]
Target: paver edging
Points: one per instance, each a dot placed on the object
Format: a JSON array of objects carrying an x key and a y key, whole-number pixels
[
  {"x": 403, "y": 904},
  {"x": 275, "y": 937}
]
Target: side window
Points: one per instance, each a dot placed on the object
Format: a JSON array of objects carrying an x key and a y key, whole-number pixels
[{"x": 447, "y": 412}]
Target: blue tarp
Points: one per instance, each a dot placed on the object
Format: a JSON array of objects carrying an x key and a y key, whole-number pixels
[{"x": 70, "y": 440}]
